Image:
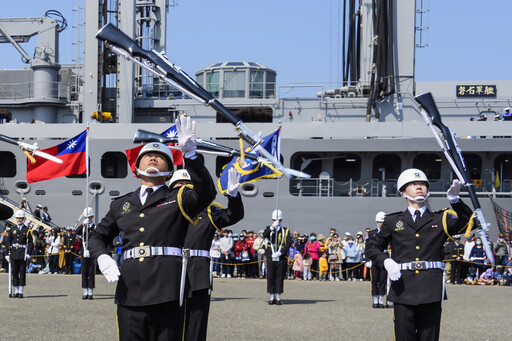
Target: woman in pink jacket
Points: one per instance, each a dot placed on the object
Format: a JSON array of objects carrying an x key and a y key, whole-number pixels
[{"x": 313, "y": 248}]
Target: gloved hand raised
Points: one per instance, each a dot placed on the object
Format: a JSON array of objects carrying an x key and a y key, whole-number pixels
[
  {"x": 453, "y": 192},
  {"x": 276, "y": 254},
  {"x": 393, "y": 269},
  {"x": 275, "y": 224},
  {"x": 108, "y": 268},
  {"x": 233, "y": 182},
  {"x": 186, "y": 129}
]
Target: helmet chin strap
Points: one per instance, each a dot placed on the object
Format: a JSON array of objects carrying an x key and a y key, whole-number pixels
[
  {"x": 153, "y": 175},
  {"x": 419, "y": 199}
]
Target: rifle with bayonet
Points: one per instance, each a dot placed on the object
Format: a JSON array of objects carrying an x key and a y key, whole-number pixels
[
  {"x": 448, "y": 143},
  {"x": 29, "y": 149},
  {"x": 158, "y": 65}
]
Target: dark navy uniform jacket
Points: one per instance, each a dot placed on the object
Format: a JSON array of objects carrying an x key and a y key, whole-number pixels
[
  {"x": 275, "y": 239},
  {"x": 200, "y": 236},
  {"x": 160, "y": 221},
  {"x": 17, "y": 237},
  {"x": 410, "y": 243}
]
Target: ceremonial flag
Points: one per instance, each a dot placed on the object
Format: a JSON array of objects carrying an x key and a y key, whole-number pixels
[
  {"x": 71, "y": 152},
  {"x": 253, "y": 170},
  {"x": 497, "y": 183},
  {"x": 131, "y": 154}
]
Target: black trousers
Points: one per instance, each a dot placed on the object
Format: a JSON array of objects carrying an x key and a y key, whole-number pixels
[
  {"x": 157, "y": 322},
  {"x": 379, "y": 278},
  {"x": 275, "y": 275},
  {"x": 197, "y": 309},
  {"x": 68, "y": 262},
  {"x": 88, "y": 270},
  {"x": 19, "y": 272},
  {"x": 417, "y": 322},
  {"x": 456, "y": 272}
]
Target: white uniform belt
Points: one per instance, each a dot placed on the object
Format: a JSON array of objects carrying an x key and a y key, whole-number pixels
[
  {"x": 422, "y": 265},
  {"x": 197, "y": 253},
  {"x": 23, "y": 246},
  {"x": 151, "y": 251}
]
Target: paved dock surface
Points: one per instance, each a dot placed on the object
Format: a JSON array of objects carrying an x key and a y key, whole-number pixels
[{"x": 53, "y": 309}]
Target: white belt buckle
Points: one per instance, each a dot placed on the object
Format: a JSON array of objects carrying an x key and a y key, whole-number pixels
[{"x": 142, "y": 251}]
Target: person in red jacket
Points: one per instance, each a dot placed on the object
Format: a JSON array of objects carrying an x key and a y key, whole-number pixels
[
  {"x": 313, "y": 248},
  {"x": 242, "y": 255}
]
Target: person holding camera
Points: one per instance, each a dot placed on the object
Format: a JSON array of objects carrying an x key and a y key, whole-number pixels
[{"x": 336, "y": 257}]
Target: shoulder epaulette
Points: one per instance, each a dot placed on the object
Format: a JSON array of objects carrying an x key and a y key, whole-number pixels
[
  {"x": 442, "y": 210},
  {"x": 398, "y": 212},
  {"x": 121, "y": 196}
]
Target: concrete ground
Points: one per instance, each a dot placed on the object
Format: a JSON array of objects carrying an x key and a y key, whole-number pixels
[{"x": 53, "y": 310}]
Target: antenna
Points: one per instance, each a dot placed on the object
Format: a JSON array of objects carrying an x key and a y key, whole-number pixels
[{"x": 422, "y": 13}]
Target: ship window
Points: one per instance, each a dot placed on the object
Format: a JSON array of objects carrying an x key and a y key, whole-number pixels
[
  {"x": 270, "y": 85},
  {"x": 114, "y": 165},
  {"x": 200, "y": 79},
  {"x": 388, "y": 165},
  {"x": 212, "y": 83},
  {"x": 503, "y": 167},
  {"x": 256, "y": 84},
  {"x": 235, "y": 64},
  {"x": 234, "y": 84},
  {"x": 474, "y": 165},
  {"x": 347, "y": 167},
  {"x": 309, "y": 163},
  {"x": 249, "y": 115},
  {"x": 8, "y": 162},
  {"x": 430, "y": 164}
]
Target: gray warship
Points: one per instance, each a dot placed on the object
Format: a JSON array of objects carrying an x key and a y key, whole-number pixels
[{"x": 354, "y": 140}]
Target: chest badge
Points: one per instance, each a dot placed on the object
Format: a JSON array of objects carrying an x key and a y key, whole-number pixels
[
  {"x": 434, "y": 226},
  {"x": 399, "y": 226},
  {"x": 126, "y": 208}
]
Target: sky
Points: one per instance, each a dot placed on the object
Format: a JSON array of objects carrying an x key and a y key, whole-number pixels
[{"x": 467, "y": 39}]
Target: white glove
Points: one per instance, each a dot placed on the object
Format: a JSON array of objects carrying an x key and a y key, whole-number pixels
[
  {"x": 369, "y": 264},
  {"x": 453, "y": 192},
  {"x": 233, "y": 182},
  {"x": 86, "y": 253},
  {"x": 108, "y": 268},
  {"x": 393, "y": 269},
  {"x": 276, "y": 254},
  {"x": 275, "y": 224},
  {"x": 8, "y": 259},
  {"x": 186, "y": 129},
  {"x": 27, "y": 256}
]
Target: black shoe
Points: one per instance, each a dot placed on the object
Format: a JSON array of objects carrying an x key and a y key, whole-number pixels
[
  {"x": 271, "y": 302},
  {"x": 382, "y": 306},
  {"x": 20, "y": 295},
  {"x": 15, "y": 295},
  {"x": 278, "y": 302},
  {"x": 89, "y": 297},
  {"x": 84, "y": 297},
  {"x": 375, "y": 305},
  {"x": 388, "y": 306}
]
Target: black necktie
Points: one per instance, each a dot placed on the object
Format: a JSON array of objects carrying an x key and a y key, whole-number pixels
[
  {"x": 417, "y": 215},
  {"x": 149, "y": 190}
]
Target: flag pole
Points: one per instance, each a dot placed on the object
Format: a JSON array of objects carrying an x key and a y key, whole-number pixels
[{"x": 86, "y": 234}]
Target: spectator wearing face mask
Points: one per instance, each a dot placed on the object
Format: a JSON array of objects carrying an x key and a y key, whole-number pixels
[
  {"x": 227, "y": 254},
  {"x": 242, "y": 256},
  {"x": 477, "y": 256},
  {"x": 352, "y": 258},
  {"x": 259, "y": 248},
  {"x": 500, "y": 251}
]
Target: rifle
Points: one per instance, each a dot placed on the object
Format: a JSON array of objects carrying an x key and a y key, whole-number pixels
[
  {"x": 447, "y": 141},
  {"x": 126, "y": 47},
  {"x": 29, "y": 148}
]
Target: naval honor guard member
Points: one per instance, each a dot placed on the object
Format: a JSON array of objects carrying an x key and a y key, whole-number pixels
[
  {"x": 378, "y": 274},
  {"x": 19, "y": 246},
  {"x": 279, "y": 241},
  {"x": 417, "y": 236},
  {"x": 88, "y": 267},
  {"x": 152, "y": 222},
  {"x": 197, "y": 245}
]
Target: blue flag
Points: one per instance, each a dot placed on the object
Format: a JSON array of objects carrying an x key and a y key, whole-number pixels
[{"x": 253, "y": 170}]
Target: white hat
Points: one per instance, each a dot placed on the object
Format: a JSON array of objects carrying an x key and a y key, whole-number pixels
[
  {"x": 347, "y": 234},
  {"x": 379, "y": 217},
  {"x": 507, "y": 108},
  {"x": 19, "y": 214},
  {"x": 277, "y": 215},
  {"x": 39, "y": 206},
  {"x": 410, "y": 175},
  {"x": 156, "y": 147},
  {"x": 179, "y": 175},
  {"x": 88, "y": 212}
]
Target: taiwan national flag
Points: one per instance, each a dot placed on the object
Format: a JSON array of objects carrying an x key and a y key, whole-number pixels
[
  {"x": 177, "y": 157},
  {"x": 71, "y": 152},
  {"x": 253, "y": 170}
]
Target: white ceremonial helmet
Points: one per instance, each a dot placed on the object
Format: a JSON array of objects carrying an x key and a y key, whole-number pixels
[
  {"x": 379, "y": 217},
  {"x": 179, "y": 175},
  {"x": 408, "y": 176},
  {"x": 156, "y": 147},
  {"x": 277, "y": 215},
  {"x": 19, "y": 214},
  {"x": 88, "y": 212}
]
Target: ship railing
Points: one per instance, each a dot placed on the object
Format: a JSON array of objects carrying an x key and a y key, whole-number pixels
[
  {"x": 35, "y": 91},
  {"x": 328, "y": 187}
]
